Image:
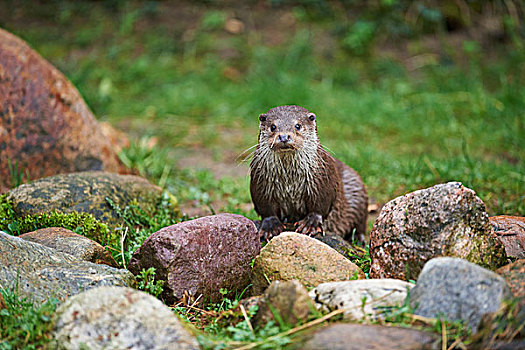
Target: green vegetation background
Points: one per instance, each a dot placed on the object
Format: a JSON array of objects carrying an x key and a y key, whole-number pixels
[{"x": 409, "y": 93}]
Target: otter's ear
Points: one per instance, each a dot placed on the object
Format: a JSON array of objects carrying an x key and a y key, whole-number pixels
[
  {"x": 311, "y": 116},
  {"x": 263, "y": 117}
]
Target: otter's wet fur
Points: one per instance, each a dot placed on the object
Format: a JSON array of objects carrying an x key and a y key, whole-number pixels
[{"x": 294, "y": 180}]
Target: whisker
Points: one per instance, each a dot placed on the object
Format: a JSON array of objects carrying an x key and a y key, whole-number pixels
[
  {"x": 245, "y": 159},
  {"x": 273, "y": 141},
  {"x": 244, "y": 152}
]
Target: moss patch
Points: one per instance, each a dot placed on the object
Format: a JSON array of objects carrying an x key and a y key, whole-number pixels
[{"x": 81, "y": 223}]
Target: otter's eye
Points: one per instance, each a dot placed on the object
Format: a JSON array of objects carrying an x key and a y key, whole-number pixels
[
  {"x": 311, "y": 116},
  {"x": 298, "y": 126},
  {"x": 273, "y": 127}
]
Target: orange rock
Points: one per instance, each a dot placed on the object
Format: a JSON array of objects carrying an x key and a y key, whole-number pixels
[{"x": 45, "y": 126}]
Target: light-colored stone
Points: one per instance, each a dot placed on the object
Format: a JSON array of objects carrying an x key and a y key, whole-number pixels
[
  {"x": 118, "y": 318},
  {"x": 42, "y": 272},
  {"x": 296, "y": 256},
  {"x": 374, "y": 293}
]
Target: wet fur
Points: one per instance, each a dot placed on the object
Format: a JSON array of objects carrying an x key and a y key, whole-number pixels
[{"x": 307, "y": 179}]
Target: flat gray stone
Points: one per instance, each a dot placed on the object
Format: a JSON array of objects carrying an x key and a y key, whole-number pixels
[
  {"x": 118, "y": 318},
  {"x": 42, "y": 272},
  {"x": 459, "y": 290}
]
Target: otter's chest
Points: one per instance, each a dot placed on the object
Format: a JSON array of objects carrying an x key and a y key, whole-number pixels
[{"x": 290, "y": 189}]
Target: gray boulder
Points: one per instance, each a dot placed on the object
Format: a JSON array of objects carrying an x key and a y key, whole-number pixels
[
  {"x": 444, "y": 220},
  {"x": 41, "y": 272},
  {"x": 344, "y": 336},
  {"x": 118, "y": 318},
  {"x": 200, "y": 257},
  {"x": 459, "y": 290},
  {"x": 376, "y": 293}
]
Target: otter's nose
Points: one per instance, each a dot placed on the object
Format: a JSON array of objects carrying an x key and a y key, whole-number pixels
[{"x": 284, "y": 138}]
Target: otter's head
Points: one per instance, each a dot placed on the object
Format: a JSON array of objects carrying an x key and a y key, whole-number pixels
[{"x": 287, "y": 129}]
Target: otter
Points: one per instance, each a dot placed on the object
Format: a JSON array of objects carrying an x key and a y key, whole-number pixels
[{"x": 295, "y": 182}]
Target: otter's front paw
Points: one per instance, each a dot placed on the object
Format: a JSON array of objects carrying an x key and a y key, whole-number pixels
[
  {"x": 270, "y": 227},
  {"x": 310, "y": 225}
]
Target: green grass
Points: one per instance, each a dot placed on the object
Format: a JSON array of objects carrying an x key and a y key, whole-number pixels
[
  {"x": 461, "y": 120},
  {"x": 24, "y": 325},
  {"x": 179, "y": 78}
]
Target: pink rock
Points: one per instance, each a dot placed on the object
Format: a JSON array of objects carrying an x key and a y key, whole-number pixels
[{"x": 201, "y": 256}]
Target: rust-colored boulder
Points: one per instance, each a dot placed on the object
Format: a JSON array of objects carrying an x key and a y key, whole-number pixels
[
  {"x": 443, "y": 220},
  {"x": 66, "y": 241},
  {"x": 511, "y": 232},
  {"x": 46, "y": 127}
]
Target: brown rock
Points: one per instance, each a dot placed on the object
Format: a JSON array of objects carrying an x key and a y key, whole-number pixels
[
  {"x": 342, "y": 336},
  {"x": 511, "y": 232},
  {"x": 201, "y": 257},
  {"x": 514, "y": 274},
  {"x": 296, "y": 256},
  {"x": 66, "y": 241},
  {"x": 289, "y": 300},
  {"x": 444, "y": 220},
  {"x": 2, "y": 302},
  {"x": 45, "y": 126}
]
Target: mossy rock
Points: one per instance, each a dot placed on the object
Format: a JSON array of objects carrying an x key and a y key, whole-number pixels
[
  {"x": 88, "y": 192},
  {"x": 82, "y": 223}
]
